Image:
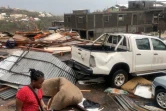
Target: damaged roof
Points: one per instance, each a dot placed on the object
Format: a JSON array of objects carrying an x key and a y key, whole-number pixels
[
  {"x": 8, "y": 93},
  {"x": 15, "y": 68}
]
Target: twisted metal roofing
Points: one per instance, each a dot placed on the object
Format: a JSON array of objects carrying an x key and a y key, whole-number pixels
[
  {"x": 15, "y": 69},
  {"x": 6, "y": 94}
]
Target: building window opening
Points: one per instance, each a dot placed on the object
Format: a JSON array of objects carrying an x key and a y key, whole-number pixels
[
  {"x": 82, "y": 34},
  {"x": 91, "y": 35},
  {"x": 121, "y": 17}
]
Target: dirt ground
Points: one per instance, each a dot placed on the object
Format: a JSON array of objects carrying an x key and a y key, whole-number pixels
[{"x": 93, "y": 92}]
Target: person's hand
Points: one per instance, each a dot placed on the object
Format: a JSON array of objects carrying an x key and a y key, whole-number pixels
[{"x": 45, "y": 108}]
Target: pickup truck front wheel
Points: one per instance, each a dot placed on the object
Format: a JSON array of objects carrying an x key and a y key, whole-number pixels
[{"x": 118, "y": 78}]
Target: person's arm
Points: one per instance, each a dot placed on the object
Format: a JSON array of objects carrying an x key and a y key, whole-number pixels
[
  {"x": 43, "y": 105},
  {"x": 18, "y": 105}
]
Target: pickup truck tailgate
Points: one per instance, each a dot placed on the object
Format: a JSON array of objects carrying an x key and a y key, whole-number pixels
[{"x": 81, "y": 55}]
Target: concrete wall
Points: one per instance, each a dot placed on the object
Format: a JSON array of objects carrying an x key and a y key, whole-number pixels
[
  {"x": 83, "y": 24},
  {"x": 127, "y": 19},
  {"x": 149, "y": 17},
  {"x": 73, "y": 23},
  {"x": 99, "y": 20},
  {"x": 91, "y": 21},
  {"x": 99, "y": 31},
  {"x": 141, "y": 18},
  {"x": 112, "y": 20},
  {"x": 66, "y": 22}
]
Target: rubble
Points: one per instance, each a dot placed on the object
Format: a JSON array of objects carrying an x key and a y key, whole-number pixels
[
  {"x": 28, "y": 34},
  {"x": 128, "y": 104},
  {"x": 57, "y": 43},
  {"x": 15, "y": 68},
  {"x": 54, "y": 37},
  {"x": 89, "y": 105},
  {"x": 152, "y": 108},
  {"x": 39, "y": 50},
  {"x": 115, "y": 91},
  {"x": 6, "y": 34},
  {"x": 143, "y": 91},
  {"x": 21, "y": 40},
  {"x": 131, "y": 84},
  {"x": 35, "y": 49},
  {"x": 4, "y": 39},
  {"x": 57, "y": 50},
  {"x": 8, "y": 93},
  {"x": 92, "y": 81},
  {"x": 3, "y": 55},
  {"x": 139, "y": 86},
  {"x": 15, "y": 73}
]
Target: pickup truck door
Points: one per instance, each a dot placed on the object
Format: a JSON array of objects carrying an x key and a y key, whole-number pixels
[
  {"x": 159, "y": 54},
  {"x": 143, "y": 54},
  {"x": 81, "y": 55}
]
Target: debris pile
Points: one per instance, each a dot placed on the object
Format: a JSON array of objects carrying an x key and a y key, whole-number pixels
[
  {"x": 62, "y": 85},
  {"x": 135, "y": 95},
  {"x": 57, "y": 43},
  {"x": 139, "y": 86},
  {"x": 15, "y": 68},
  {"x": 60, "y": 79}
]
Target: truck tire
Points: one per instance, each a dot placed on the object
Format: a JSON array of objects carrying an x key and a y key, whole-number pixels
[
  {"x": 160, "y": 98},
  {"x": 118, "y": 78}
]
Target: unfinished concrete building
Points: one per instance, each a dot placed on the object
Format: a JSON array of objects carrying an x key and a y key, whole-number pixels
[{"x": 141, "y": 16}]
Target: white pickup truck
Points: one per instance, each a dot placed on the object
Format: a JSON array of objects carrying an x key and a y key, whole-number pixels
[{"x": 118, "y": 55}]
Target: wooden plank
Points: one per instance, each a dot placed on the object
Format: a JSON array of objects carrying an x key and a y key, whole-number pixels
[{"x": 4, "y": 88}]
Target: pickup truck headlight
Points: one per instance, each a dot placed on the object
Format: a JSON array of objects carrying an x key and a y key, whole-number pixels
[{"x": 92, "y": 61}]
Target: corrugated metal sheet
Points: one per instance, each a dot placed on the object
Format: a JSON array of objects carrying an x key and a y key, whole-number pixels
[
  {"x": 8, "y": 93},
  {"x": 8, "y": 63},
  {"x": 15, "y": 69}
]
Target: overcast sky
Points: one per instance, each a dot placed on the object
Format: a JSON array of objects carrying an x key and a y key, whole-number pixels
[{"x": 59, "y": 7}]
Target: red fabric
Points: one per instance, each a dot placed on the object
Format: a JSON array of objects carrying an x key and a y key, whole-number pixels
[{"x": 28, "y": 98}]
